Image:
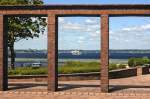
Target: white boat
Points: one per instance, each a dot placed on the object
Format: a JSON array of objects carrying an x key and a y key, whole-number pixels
[{"x": 76, "y": 52}]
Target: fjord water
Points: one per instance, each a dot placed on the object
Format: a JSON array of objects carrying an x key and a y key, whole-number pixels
[{"x": 24, "y": 58}]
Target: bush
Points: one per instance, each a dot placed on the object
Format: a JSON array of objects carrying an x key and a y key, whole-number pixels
[
  {"x": 132, "y": 62},
  {"x": 113, "y": 66},
  {"x": 121, "y": 66}
]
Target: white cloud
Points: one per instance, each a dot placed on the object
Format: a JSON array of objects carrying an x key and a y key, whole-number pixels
[
  {"x": 81, "y": 38},
  {"x": 114, "y": 38},
  {"x": 79, "y": 28},
  {"x": 80, "y": 31},
  {"x": 88, "y": 30},
  {"x": 87, "y": 25},
  {"x": 146, "y": 26},
  {"x": 131, "y": 37},
  {"x": 97, "y": 32},
  {"x": 89, "y": 21},
  {"x": 91, "y": 39},
  {"x": 92, "y": 20},
  {"x": 80, "y": 41},
  {"x": 94, "y": 34},
  {"x": 72, "y": 26},
  {"x": 128, "y": 34},
  {"x": 61, "y": 20},
  {"x": 126, "y": 40},
  {"x": 95, "y": 26},
  {"x": 111, "y": 32},
  {"x": 137, "y": 28}
]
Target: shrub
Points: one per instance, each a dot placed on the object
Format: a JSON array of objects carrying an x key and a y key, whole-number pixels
[
  {"x": 132, "y": 62},
  {"x": 113, "y": 66},
  {"x": 121, "y": 66}
]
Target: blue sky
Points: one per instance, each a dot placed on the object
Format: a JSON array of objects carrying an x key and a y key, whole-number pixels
[
  {"x": 84, "y": 32},
  {"x": 97, "y": 1}
]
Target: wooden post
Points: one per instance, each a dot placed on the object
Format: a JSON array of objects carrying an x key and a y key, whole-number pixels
[
  {"x": 3, "y": 56},
  {"x": 139, "y": 70},
  {"x": 52, "y": 54},
  {"x": 104, "y": 53}
]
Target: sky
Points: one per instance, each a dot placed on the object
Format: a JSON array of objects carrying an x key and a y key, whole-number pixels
[
  {"x": 97, "y": 1},
  {"x": 84, "y": 32}
]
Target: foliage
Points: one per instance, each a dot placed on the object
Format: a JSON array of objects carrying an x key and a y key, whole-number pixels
[
  {"x": 20, "y": 2},
  {"x": 132, "y": 62},
  {"x": 23, "y": 27},
  {"x": 68, "y": 68},
  {"x": 79, "y": 67},
  {"x": 114, "y": 66},
  {"x": 28, "y": 71},
  {"x": 121, "y": 66}
]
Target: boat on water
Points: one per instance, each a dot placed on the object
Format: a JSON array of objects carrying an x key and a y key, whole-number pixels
[{"x": 76, "y": 52}]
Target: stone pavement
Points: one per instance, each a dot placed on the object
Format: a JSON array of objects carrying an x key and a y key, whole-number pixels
[{"x": 124, "y": 88}]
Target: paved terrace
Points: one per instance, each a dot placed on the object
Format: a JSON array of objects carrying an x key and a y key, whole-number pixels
[{"x": 132, "y": 88}]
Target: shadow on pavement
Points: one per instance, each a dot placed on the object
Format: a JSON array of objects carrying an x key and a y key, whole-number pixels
[{"x": 15, "y": 86}]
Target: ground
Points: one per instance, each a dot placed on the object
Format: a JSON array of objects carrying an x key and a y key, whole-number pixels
[{"x": 124, "y": 88}]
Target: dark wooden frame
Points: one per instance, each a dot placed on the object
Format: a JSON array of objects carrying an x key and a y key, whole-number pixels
[{"x": 52, "y": 12}]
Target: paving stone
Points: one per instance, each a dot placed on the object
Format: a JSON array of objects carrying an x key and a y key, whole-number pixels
[{"x": 123, "y": 89}]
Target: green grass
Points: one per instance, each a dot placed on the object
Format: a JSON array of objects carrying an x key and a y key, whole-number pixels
[
  {"x": 28, "y": 71},
  {"x": 79, "y": 67},
  {"x": 68, "y": 68}
]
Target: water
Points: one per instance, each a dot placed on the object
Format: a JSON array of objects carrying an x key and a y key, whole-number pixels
[
  {"x": 116, "y": 56},
  {"x": 86, "y": 54}
]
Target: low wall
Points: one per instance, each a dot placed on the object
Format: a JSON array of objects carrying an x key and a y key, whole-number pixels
[{"x": 122, "y": 73}]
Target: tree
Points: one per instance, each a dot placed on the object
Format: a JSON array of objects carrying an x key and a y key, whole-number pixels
[{"x": 23, "y": 27}]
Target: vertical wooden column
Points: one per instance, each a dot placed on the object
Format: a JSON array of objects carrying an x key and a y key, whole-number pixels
[
  {"x": 104, "y": 53},
  {"x": 3, "y": 56},
  {"x": 52, "y": 54}
]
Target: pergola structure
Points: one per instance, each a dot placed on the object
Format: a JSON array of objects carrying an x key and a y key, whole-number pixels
[{"x": 53, "y": 12}]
